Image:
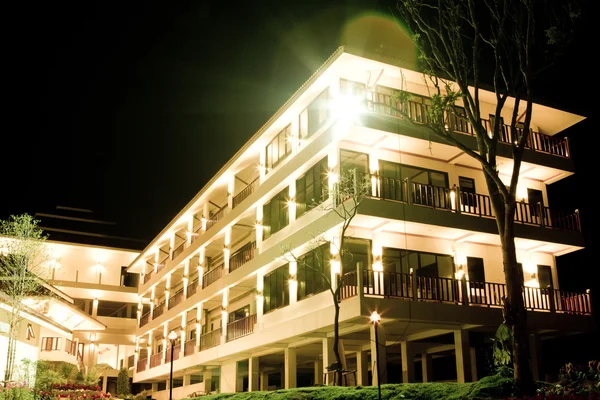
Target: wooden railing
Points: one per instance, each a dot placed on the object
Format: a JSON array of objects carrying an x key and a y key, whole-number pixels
[
  {"x": 216, "y": 217},
  {"x": 210, "y": 339},
  {"x": 247, "y": 191},
  {"x": 158, "y": 310},
  {"x": 458, "y": 201},
  {"x": 418, "y": 112},
  {"x": 189, "y": 347},
  {"x": 70, "y": 347},
  {"x": 144, "y": 319},
  {"x": 446, "y": 290},
  {"x": 349, "y": 285},
  {"x": 178, "y": 250},
  {"x": 241, "y": 327},
  {"x": 176, "y": 298},
  {"x": 242, "y": 256},
  {"x": 141, "y": 365},
  {"x": 147, "y": 276},
  {"x": 156, "y": 359},
  {"x": 192, "y": 288},
  {"x": 130, "y": 361},
  {"x": 212, "y": 276}
]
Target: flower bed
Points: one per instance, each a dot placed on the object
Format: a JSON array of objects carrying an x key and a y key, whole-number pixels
[{"x": 73, "y": 391}]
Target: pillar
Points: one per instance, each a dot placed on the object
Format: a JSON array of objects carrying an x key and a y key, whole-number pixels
[
  {"x": 290, "y": 367},
  {"x": 362, "y": 367},
  {"x": 318, "y": 372},
  {"x": 328, "y": 359},
  {"x": 253, "y": 374},
  {"x": 95, "y": 308},
  {"x": 378, "y": 355},
  {"x": 224, "y": 315},
  {"x": 154, "y": 387},
  {"x": 426, "y": 366},
  {"x": 264, "y": 381},
  {"x": 535, "y": 355},
  {"x": 408, "y": 361},
  {"x": 207, "y": 377},
  {"x": 187, "y": 379},
  {"x": 227, "y": 249},
  {"x": 473, "y": 354},
  {"x": 104, "y": 383},
  {"x": 228, "y": 377},
  {"x": 463, "y": 356}
]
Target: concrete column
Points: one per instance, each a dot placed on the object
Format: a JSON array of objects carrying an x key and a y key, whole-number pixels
[
  {"x": 290, "y": 367},
  {"x": 253, "y": 371},
  {"x": 187, "y": 379},
  {"x": 408, "y": 362},
  {"x": 328, "y": 359},
  {"x": 473, "y": 354},
  {"x": 227, "y": 249},
  {"x": 95, "y": 308},
  {"x": 318, "y": 372},
  {"x": 535, "y": 354},
  {"x": 378, "y": 356},
  {"x": 264, "y": 381},
  {"x": 362, "y": 367},
  {"x": 155, "y": 387},
  {"x": 228, "y": 377},
  {"x": 463, "y": 356},
  {"x": 207, "y": 376},
  {"x": 426, "y": 367},
  {"x": 104, "y": 383}
]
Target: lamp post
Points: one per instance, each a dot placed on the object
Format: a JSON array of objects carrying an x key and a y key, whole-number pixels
[
  {"x": 375, "y": 318},
  {"x": 172, "y": 336}
]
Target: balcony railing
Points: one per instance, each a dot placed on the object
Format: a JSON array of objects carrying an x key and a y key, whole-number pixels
[
  {"x": 178, "y": 250},
  {"x": 216, "y": 217},
  {"x": 242, "y": 256},
  {"x": 418, "y": 112},
  {"x": 144, "y": 319},
  {"x": 130, "y": 361},
  {"x": 445, "y": 290},
  {"x": 241, "y": 327},
  {"x": 156, "y": 359},
  {"x": 147, "y": 276},
  {"x": 158, "y": 310},
  {"x": 176, "y": 350},
  {"x": 141, "y": 365},
  {"x": 476, "y": 204},
  {"x": 189, "y": 347},
  {"x": 247, "y": 191},
  {"x": 192, "y": 288},
  {"x": 210, "y": 339},
  {"x": 161, "y": 264},
  {"x": 212, "y": 276},
  {"x": 70, "y": 347},
  {"x": 176, "y": 298}
]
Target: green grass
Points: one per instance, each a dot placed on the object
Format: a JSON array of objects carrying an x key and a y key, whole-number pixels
[{"x": 496, "y": 386}]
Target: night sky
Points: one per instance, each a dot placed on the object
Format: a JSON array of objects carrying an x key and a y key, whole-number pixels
[{"x": 128, "y": 108}]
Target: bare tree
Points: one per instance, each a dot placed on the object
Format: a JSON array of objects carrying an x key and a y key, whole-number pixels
[
  {"x": 345, "y": 198},
  {"x": 464, "y": 45},
  {"x": 23, "y": 260}
]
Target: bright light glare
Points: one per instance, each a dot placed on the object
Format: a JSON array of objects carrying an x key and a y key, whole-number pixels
[
  {"x": 172, "y": 335},
  {"x": 347, "y": 108},
  {"x": 375, "y": 317}
]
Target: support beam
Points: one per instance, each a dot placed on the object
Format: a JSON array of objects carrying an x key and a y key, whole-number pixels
[
  {"x": 290, "y": 367},
  {"x": 463, "y": 356},
  {"x": 318, "y": 372},
  {"x": 408, "y": 362},
  {"x": 328, "y": 359},
  {"x": 253, "y": 374},
  {"x": 264, "y": 381},
  {"x": 362, "y": 367},
  {"x": 426, "y": 366}
]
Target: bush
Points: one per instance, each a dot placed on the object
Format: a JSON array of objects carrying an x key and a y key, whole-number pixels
[
  {"x": 15, "y": 392},
  {"x": 123, "y": 383},
  {"x": 582, "y": 380}
]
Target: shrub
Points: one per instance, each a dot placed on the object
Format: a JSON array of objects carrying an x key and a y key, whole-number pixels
[
  {"x": 15, "y": 392},
  {"x": 582, "y": 380},
  {"x": 123, "y": 383}
]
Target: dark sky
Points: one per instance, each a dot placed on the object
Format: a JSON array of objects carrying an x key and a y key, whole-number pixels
[{"x": 129, "y": 107}]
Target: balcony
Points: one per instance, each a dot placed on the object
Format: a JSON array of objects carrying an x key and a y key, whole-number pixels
[
  {"x": 192, "y": 288},
  {"x": 156, "y": 360},
  {"x": 461, "y": 292},
  {"x": 71, "y": 347},
  {"x": 178, "y": 250},
  {"x": 242, "y": 256},
  {"x": 176, "y": 298},
  {"x": 461, "y": 202},
  {"x": 212, "y": 276},
  {"x": 241, "y": 327},
  {"x": 247, "y": 191},
  {"x": 176, "y": 350},
  {"x": 210, "y": 339},
  {"x": 384, "y": 101},
  {"x": 216, "y": 217},
  {"x": 158, "y": 310},
  {"x": 141, "y": 365},
  {"x": 189, "y": 347},
  {"x": 145, "y": 319},
  {"x": 147, "y": 276}
]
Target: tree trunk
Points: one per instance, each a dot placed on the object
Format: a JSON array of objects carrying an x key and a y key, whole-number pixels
[
  {"x": 515, "y": 314},
  {"x": 336, "y": 340},
  {"x": 10, "y": 354}
]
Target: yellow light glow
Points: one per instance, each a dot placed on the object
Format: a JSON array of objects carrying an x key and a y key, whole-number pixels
[
  {"x": 375, "y": 317},
  {"x": 377, "y": 266},
  {"x": 335, "y": 266},
  {"x": 459, "y": 274},
  {"x": 347, "y": 108},
  {"x": 293, "y": 268}
]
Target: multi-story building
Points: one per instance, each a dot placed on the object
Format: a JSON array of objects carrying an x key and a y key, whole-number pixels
[
  {"x": 90, "y": 319},
  {"x": 425, "y": 251}
]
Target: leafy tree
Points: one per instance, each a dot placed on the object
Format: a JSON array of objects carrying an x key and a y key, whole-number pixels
[
  {"x": 123, "y": 383},
  {"x": 23, "y": 262},
  {"x": 345, "y": 199},
  {"x": 464, "y": 45}
]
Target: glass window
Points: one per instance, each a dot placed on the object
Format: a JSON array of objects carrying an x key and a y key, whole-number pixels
[
  {"x": 114, "y": 309},
  {"x": 312, "y": 267},
  {"x": 317, "y": 113},
  {"x": 275, "y": 214},
  {"x": 240, "y": 313},
  {"x": 545, "y": 276},
  {"x": 424, "y": 264},
  {"x": 275, "y": 289},
  {"x": 475, "y": 269},
  {"x": 311, "y": 188},
  {"x": 352, "y": 159},
  {"x": 355, "y": 251},
  {"x": 279, "y": 148}
]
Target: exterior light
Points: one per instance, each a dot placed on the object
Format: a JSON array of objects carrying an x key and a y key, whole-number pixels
[
  {"x": 172, "y": 336},
  {"x": 375, "y": 319}
]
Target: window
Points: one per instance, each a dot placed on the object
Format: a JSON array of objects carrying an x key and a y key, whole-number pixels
[
  {"x": 311, "y": 188},
  {"x": 475, "y": 269},
  {"x": 355, "y": 251},
  {"x": 423, "y": 183},
  {"x": 50, "y": 343},
  {"x": 459, "y": 120},
  {"x": 275, "y": 289},
  {"x": 238, "y": 314},
  {"x": 351, "y": 88},
  {"x": 535, "y": 199},
  {"x": 467, "y": 191},
  {"x": 115, "y": 309},
  {"x": 279, "y": 148},
  {"x": 352, "y": 159},
  {"x": 503, "y": 135},
  {"x": 192, "y": 334},
  {"x": 315, "y": 116},
  {"x": 275, "y": 214},
  {"x": 311, "y": 268},
  {"x": 424, "y": 264},
  {"x": 30, "y": 333},
  {"x": 544, "y": 276}
]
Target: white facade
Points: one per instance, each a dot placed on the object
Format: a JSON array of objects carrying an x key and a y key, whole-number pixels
[{"x": 247, "y": 317}]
